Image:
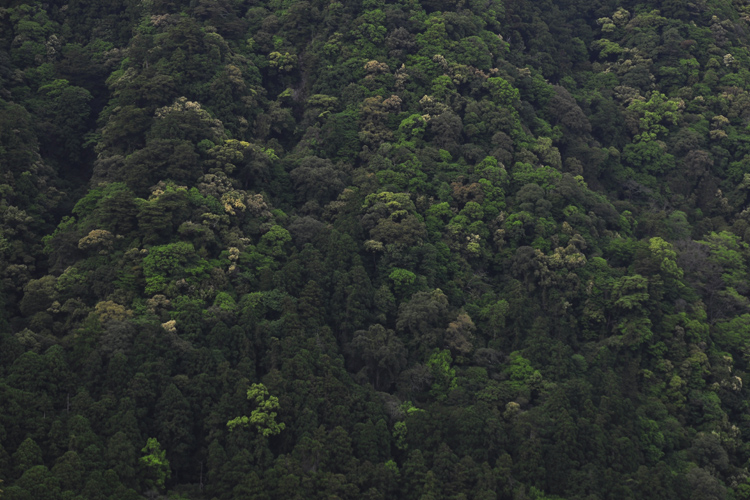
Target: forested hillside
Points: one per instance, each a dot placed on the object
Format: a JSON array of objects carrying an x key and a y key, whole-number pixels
[{"x": 375, "y": 249}]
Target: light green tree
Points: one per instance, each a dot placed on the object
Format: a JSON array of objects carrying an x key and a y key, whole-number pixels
[
  {"x": 654, "y": 114},
  {"x": 502, "y": 92},
  {"x": 155, "y": 460},
  {"x": 496, "y": 313},
  {"x": 666, "y": 256},
  {"x": 444, "y": 376},
  {"x": 399, "y": 428},
  {"x": 264, "y": 416}
]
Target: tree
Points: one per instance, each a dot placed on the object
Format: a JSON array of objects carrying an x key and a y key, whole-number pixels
[
  {"x": 40, "y": 483},
  {"x": 264, "y": 416},
  {"x": 69, "y": 469},
  {"x": 631, "y": 296},
  {"x": 156, "y": 464},
  {"x": 27, "y": 456},
  {"x": 503, "y": 93},
  {"x": 382, "y": 352},
  {"x": 565, "y": 109},
  {"x": 653, "y": 114},
  {"x": 121, "y": 457},
  {"x": 316, "y": 179},
  {"x": 274, "y": 242},
  {"x": 459, "y": 335},
  {"x": 703, "y": 485},
  {"x": 68, "y": 109},
  {"x": 161, "y": 159},
  {"x": 414, "y": 472},
  {"x": 424, "y": 316},
  {"x": 443, "y": 375},
  {"x": 186, "y": 120},
  {"x": 496, "y": 313},
  {"x": 175, "y": 426}
]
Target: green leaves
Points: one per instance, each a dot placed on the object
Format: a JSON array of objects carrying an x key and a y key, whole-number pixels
[
  {"x": 156, "y": 463},
  {"x": 666, "y": 256},
  {"x": 402, "y": 279},
  {"x": 443, "y": 375},
  {"x": 263, "y": 417},
  {"x": 166, "y": 263},
  {"x": 654, "y": 114},
  {"x": 274, "y": 241},
  {"x": 502, "y": 92},
  {"x": 630, "y": 292},
  {"x": 555, "y": 273},
  {"x": 522, "y": 375},
  {"x": 525, "y": 173},
  {"x": 412, "y": 127}
]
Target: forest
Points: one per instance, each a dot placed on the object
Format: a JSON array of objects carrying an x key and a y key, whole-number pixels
[{"x": 375, "y": 249}]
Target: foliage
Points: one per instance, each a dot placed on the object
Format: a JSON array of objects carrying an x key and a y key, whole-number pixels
[
  {"x": 155, "y": 460},
  {"x": 264, "y": 416},
  {"x": 474, "y": 249}
]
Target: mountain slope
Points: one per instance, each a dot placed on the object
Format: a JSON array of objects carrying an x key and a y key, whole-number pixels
[{"x": 438, "y": 249}]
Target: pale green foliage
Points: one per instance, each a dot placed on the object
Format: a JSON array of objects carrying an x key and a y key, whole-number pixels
[
  {"x": 502, "y": 92},
  {"x": 156, "y": 461},
  {"x": 225, "y": 301},
  {"x": 526, "y": 173},
  {"x": 727, "y": 251},
  {"x": 399, "y": 428},
  {"x": 652, "y": 439},
  {"x": 412, "y": 127},
  {"x": 408, "y": 408},
  {"x": 272, "y": 243},
  {"x": 666, "y": 256},
  {"x": 521, "y": 373},
  {"x": 402, "y": 278},
  {"x": 444, "y": 376},
  {"x": 631, "y": 292},
  {"x": 167, "y": 262},
  {"x": 654, "y": 113},
  {"x": 282, "y": 62},
  {"x": 606, "y": 48},
  {"x": 264, "y": 416}
]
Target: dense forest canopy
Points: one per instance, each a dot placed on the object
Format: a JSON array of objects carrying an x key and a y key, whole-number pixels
[{"x": 375, "y": 249}]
